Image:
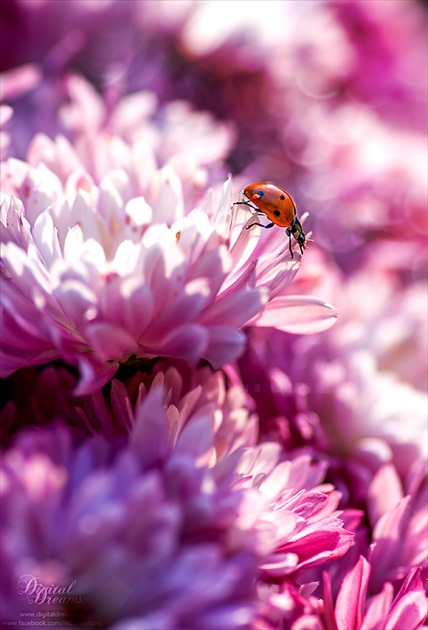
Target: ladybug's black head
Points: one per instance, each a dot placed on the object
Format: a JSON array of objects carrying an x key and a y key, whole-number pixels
[{"x": 297, "y": 231}]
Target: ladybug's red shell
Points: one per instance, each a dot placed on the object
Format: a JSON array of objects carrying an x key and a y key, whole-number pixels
[
  {"x": 273, "y": 201},
  {"x": 278, "y": 206}
]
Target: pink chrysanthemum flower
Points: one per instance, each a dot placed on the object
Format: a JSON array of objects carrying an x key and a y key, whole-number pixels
[
  {"x": 94, "y": 275},
  {"x": 137, "y": 136}
]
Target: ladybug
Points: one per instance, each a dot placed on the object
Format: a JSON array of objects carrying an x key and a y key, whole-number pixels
[{"x": 279, "y": 207}]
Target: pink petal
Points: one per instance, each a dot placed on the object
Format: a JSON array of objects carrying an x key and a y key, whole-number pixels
[
  {"x": 20, "y": 80},
  {"x": 285, "y": 524},
  {"x": 93, "y": 375},
  {"x": 26, "y": 273},
  {"x": 168, "y": 197},
  {"x": 121, "y": 405},
  {"x": 133, "y": 110},
  {"x": 410, "y": 612},
  {"x": 82, "y": 214},
  {"x": 329, "y": 619},
  {"x": 388, "y": 535},
  {"x": 34, "y": 351},
  {"x": 196, "y": 438},
  {"x": 20, "y": 313},
  {"x": 211, "y": 265},
  {"x": 137, "y": 306},
  {"x": 86, "y": 110},
  {"x": 184, "y": 308},
  {"x": 308, "y": 622},
  {"x": 385, "y": 492},
  {"x": 298, "y": 314},
  {"x": 17, "y": 228},
  {"x": 281, "y": 564},
  {"x": 150, "y": 435},
  {"x": 325, "y": 542},
  {"x": 351, "y": 598},
  {"x": 188, "y": 342},
  {"x": 45, "y": 236},
  {"x": 109, "y": 341},
  {"x": 6, "y": 113},
  {"x": 225, "y": 345},
  {"x": 378, "y": 608},
  {"x": 235, "y": 309},
  {"x": 245, "y": 279},
  {"x": 76, "y": 300},
  {"x": 409, "y": 608}
]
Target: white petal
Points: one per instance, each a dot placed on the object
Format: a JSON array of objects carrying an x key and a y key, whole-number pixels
[{"x": 46, "y": 238}]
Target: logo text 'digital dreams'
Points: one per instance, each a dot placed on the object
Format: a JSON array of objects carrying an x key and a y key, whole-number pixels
[{"x": 38, "y": 593}]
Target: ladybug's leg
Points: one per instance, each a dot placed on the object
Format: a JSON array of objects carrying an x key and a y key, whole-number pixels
[
  {"x": 269, "y": 225},
  {"x": 256, "y": 211},
  {"x": 245, "y": 203},
  {"x": 288, "y": 231}
]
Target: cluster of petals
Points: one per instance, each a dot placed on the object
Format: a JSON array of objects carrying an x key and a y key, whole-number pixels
[
  {"x": 372, "y": 370},
  {"x": 199, "y": 405},
  {"x": 379, "y": 583},
  {"x": 399, "y": 518},
  {"x": 345, "y": 392},
  {"x": 247, "y": 517},
  {"x": 353, "y": 609},
  {"x": 138, "y": 539}
]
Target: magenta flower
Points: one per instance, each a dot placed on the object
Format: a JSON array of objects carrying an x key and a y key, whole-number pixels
[
  {"x": 301, "y": 528},
  {"x": 387, "y": 41},
  {"x": 352, "y": 610},
  {"x": 400, "y": 524},
  {"x": 301, "y": 524},
  {"x": 372, "y": 217}
]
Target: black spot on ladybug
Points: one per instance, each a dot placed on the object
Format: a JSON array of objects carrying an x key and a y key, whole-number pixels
[
  {"x": 277, "y": 213},
  {"x": 282, "y": 197}
]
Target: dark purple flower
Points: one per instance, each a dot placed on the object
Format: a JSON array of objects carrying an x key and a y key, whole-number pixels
[
  {"x": 141, "y": 529},
  {"x": 139, "y": 538},
  {"x": 199, "y": 404}
]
